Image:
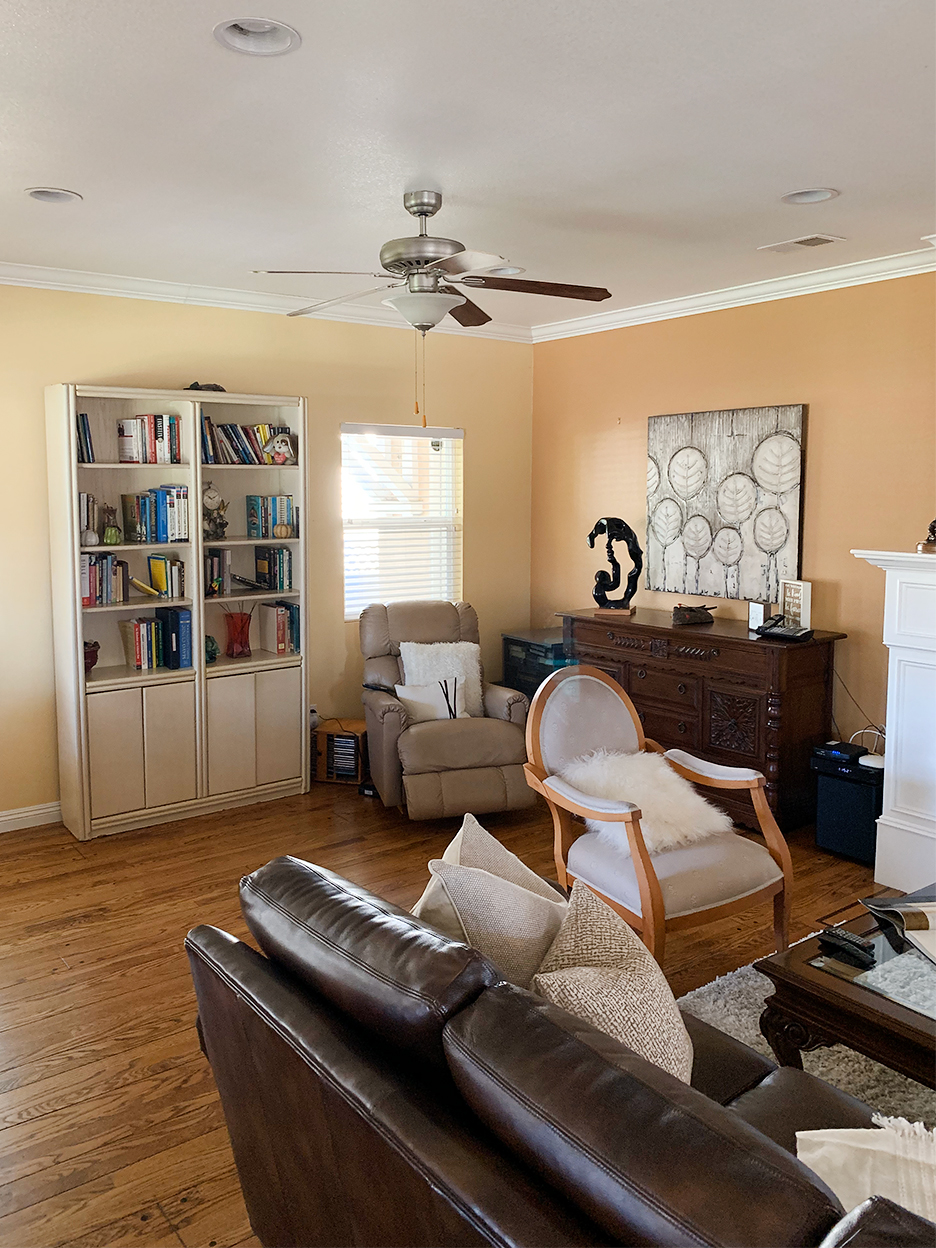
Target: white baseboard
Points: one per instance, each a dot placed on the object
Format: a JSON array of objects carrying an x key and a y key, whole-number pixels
[{"x": 30, "y": 816}]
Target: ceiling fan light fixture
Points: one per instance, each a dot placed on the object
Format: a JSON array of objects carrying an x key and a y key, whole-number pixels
[
  {"x": 425, "y": 309},
  {"x": 504, "y": 270},
  {"x": 814, "y": 195},
  {"x": 257, "y": 36}
]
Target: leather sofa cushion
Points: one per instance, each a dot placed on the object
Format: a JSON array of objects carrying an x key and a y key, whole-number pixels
[
  {"x": 385, "y": 625},
  {"x": 481, "y": 790},
  {"x": 383, "y": 672},
  {"x": 722, "y": 1067},
  {"x": 454, "y": 744},
  {"x": 648, "y": 1158},
  {"x": 879, "y": 1223},
  {"x": 789, "y": 1100},
  {"x": 694, "y": 877},
  {"x": 392, "y": 973}
]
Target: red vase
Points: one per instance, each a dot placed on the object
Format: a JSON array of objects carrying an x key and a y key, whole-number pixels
[{"x": 237, "y": 624}]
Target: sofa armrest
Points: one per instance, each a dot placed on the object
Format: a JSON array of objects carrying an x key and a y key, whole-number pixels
[
  {"x": 879, "y": 1223},
  {"x": 509, "y": 704},
  {"x": 386, "y": 719}
]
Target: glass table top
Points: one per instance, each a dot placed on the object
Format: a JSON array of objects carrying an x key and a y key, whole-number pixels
[{"x": 899, "y": 973}]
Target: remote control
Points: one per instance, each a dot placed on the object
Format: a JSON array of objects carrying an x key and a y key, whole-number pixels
[{"x": 847, "y": 947}]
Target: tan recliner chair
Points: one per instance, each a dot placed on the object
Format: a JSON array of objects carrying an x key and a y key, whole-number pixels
[{"x": 447, "y": 766}]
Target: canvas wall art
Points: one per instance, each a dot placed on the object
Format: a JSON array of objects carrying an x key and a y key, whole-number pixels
[{"x": 724, "y": 495}]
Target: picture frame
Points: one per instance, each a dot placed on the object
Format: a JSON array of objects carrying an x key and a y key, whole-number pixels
[{"x": 795, "y": 603}]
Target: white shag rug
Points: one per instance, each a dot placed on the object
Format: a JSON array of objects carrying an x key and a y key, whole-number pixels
[{"x": 735, "y": 1002}]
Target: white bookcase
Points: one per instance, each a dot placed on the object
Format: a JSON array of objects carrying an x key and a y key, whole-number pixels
[{"x": 144, "y": 747}]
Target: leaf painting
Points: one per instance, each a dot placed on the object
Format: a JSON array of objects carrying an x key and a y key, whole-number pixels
[
  {"x": 776, "y": 464},
  {"x": 770, "y": 530},
  {"x": 697, "y": 536},
  {"x": 735, "y": 477},
  {"x": 667, "y": 521},
  {"x": 687, "y": 471},
  {"x": 736, "y": 498}
]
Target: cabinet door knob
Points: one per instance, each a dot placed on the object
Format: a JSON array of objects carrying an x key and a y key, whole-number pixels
[
  {"x": 681, "y": 727},
  {"x": 681, "y": 688},
  {"x": 641, "y": 674}
]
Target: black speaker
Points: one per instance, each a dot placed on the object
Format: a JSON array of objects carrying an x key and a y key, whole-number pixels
[{"x": 849, "y": 803}]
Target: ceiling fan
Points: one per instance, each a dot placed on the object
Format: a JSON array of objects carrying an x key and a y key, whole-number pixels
[{"x": 432, "y": 267}]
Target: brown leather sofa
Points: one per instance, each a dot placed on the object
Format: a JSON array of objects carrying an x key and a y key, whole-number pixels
[
  {"x": 446, "y": 767},
  {"x": 383, "y": 1086}
]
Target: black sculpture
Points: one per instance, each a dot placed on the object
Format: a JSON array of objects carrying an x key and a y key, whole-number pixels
[{"x": 617, "y": 531}]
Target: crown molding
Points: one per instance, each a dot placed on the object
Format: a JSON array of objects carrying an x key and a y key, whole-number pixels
[
  {"x": 79, "y": 282},
  {"x": 859, "y": 273}
]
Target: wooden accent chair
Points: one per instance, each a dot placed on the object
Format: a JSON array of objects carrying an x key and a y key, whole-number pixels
[{"x": 580, "y": 709}]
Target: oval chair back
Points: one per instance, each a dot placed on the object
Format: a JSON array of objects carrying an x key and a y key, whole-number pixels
[{"x": 578, "y": 710}]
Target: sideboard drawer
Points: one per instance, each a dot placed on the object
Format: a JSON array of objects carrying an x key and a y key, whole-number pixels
[
  {"x": 662, "y": 686},
  {"x": 693, "y": 651},
  {"x": 669, "y": 728}
]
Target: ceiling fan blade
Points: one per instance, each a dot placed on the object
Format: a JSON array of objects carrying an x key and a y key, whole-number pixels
[
  {"x": 467, "y": 313},
  {"x": 323, "y": 272},
  {"x": 326, "y": 303},
  {"x": 593, "y": 293},
  {"x": 467, "y": 262}
]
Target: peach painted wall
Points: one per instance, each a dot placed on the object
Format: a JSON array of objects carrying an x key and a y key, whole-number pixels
[
  {"x": 348, "y": 373},
  {"x": 862, "y": 358}
]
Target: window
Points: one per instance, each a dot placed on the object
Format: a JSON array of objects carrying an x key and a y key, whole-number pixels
[{"x": 401, "y": 498}]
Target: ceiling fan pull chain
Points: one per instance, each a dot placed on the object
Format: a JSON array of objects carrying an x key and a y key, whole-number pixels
[
  {"x": 423, "y": 378},
  {"x": 416, "y": 411}
]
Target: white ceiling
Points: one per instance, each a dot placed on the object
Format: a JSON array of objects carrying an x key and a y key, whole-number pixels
[{"x": 642, "y": 145}]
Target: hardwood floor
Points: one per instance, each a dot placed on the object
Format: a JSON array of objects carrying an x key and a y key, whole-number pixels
[{"x": 111, "y": 1132}]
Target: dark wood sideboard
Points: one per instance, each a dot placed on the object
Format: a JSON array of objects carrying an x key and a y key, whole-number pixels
[{"x": 723, "y": 693}]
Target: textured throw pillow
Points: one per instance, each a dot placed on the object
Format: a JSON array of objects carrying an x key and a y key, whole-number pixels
[
  {"x": 490, "y": 899},
  {"x": 672, "y": 813},
  {"x": 428, "y": 702},
  {"x": 598, "y": 969},
  {"x": 897, "y": 1160},
  {"x": 426, "y": 662}
]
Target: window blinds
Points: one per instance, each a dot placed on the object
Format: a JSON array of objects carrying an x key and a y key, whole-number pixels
[{"x": 401, "y": 496}]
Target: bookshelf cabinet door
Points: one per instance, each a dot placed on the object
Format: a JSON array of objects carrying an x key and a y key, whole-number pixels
[
  {"x": 232, "y": 735},
  {"x": 115, "y": 747},
  {"x": 169, "y": 752},
  {"x": 279, "y": 724}
]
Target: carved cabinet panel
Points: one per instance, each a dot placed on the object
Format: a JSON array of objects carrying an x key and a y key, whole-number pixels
[{"x": 722, "y": 693}]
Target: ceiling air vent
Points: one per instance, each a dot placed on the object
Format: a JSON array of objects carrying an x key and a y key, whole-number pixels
[{"x": 809, "y": 240}]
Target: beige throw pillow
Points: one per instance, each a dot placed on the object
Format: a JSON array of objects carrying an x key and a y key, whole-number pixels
[
  {"x": 483, "y": 894},
  {"x": 598, "y": 969}
]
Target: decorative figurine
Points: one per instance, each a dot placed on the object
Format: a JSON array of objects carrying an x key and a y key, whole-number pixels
[
  {"x": 209, "y": 385},
  {"x": 617, "y": 531},
  {"x": 692, "y": 615},
  {"x": 112, "y": 534},
  {"x": 282, "y": 530},
  {"x": 282, "y": 447},
  {"x": 91, "y": 649},
  {"x": 928, "y": 547},
  {"x": 212, "y": 649},
  {"x": 90, "y": 538},
  {"x": 213, "y": 509}
]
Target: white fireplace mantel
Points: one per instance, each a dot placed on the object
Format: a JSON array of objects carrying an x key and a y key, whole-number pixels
[{"x": 906, "y": 839}]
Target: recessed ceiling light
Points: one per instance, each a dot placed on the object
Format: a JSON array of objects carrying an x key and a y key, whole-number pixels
[
  {"x": 814, "y": 196},
  {"x": 257, "y": 36},
  {"x": 53, "y": 194}
]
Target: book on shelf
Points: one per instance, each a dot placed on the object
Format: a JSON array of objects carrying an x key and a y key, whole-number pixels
[
  {"x": 85, "y": 445},
  {"x": 167, "y": 576},
  {"x": 161, "y": 640},
  {"x": 237, "y": 444},
  {"x": 279, "y": 627},
  {"x": 104, "y": 580},
  {"x": 156, "y": 515},
  {"x": 265, "y": 512},
  {"x": 88, "y": 514},
  {"x": 148, "y": 439},
  {"x": 273, "y": 567},
  {"x": 146, "y": 590},
  {"x": 217, "y": 571}
]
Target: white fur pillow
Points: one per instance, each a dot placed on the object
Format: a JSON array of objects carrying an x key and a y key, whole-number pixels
[
  {"x": 672, "y": 813},
  {"x": 424, "y": 663}
]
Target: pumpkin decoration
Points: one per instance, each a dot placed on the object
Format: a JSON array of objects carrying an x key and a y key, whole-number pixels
[{"x": 282, "y": 530}]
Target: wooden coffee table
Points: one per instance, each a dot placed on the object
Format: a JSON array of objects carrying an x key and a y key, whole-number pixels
[{"x": 812, "y": 1008}]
